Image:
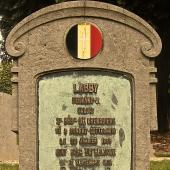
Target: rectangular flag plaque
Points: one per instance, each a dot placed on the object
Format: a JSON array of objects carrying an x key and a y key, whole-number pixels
[{"x": 84, "y": 41}]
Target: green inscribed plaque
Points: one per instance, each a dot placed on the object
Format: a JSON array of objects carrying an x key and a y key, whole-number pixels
[{"x": 85, "y": 121}]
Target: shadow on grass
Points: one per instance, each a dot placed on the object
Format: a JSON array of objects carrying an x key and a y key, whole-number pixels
[
  {"x": 162, "y": 165},
  {"x": 9, "y": 167},
  {"x": 155, "y": 165}
]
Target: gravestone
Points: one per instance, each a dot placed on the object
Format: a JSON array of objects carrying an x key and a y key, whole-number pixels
[{"x": 85, "y": 87}]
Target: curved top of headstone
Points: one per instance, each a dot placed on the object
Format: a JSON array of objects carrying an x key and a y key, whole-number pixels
[{"x": 16, "y": 48}]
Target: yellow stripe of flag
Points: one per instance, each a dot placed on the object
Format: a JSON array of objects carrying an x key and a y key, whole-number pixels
[{"x": 84, "y": 34}]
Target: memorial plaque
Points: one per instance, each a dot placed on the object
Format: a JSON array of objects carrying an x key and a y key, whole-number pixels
[{"x": 85, "y": 121}]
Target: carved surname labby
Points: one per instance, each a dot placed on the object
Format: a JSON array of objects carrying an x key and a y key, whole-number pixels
[{"x": 85, "y": 88}]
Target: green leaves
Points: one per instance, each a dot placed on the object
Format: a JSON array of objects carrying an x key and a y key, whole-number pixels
[
  {"x": 121, "y": 2},
  {"x": 5, "y": 77}
]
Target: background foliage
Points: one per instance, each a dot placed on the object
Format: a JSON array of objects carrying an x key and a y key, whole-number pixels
[
  {"x": 5, "y": 76},
  {"x": 13, "y": 11}
]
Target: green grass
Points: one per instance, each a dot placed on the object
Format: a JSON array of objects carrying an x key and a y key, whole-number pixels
[
  {"x": 155, "y": 165},
  {"x": 9, "y": 167},
  {"x": 162, "y": 165}
]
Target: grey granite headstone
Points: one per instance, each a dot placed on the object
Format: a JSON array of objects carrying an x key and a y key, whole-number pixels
[{"x": 84, "y": 114}]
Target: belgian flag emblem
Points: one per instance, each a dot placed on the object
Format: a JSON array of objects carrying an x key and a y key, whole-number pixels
[{"x": 84, "y": 41}]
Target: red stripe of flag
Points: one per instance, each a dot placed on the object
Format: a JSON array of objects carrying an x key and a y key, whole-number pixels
[{"x": 96, "y": 41}]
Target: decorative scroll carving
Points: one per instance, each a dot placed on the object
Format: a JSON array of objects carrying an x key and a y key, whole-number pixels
[
  {"x": 150, "y": 50},
  {"x": 16, "y": 49},
  {"x": 60, "y": 11}
]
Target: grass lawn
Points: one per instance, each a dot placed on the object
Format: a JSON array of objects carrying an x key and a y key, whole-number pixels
[
  {"x": 155, "y": 165},
  {"x": 9, "y": 167},
  {"x": 162, "y": 165}
]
